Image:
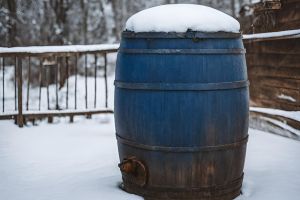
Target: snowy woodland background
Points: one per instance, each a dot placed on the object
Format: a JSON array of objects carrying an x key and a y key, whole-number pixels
[{"x": 57, "y": 22}]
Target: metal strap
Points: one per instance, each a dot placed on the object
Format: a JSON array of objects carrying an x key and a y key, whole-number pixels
[
  {"x": 158, "y": 192},
  {"x": 182, "y": 149},
  {"x": 232, "y": 185},
  {"x": 183, "y": 51},
  {"x": 182, "y": 86},
  {"x": 175, "y": 35}
]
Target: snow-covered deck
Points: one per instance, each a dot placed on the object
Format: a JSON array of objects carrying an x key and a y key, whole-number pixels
[{"x": 78, "y": 161}]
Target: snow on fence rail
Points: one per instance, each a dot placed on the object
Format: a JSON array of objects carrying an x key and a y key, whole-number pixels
[
  {"x": 58, "y": 50},
  {"x": 273, "y": 35},
  {"x": 53, "y": 65}
]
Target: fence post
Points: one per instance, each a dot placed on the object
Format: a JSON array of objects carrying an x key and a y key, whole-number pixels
[
  {"x": 20, "y": 100},
  {"x": 3, "y": 84},
  {"x": 105, "y": 79}
]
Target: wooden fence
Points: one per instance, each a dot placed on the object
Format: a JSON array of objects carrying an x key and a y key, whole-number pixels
[{"x": 55, "y": 64}]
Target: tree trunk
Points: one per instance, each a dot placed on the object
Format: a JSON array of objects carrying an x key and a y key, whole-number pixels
[
  {"x": 84, "y": 8},
  {"x": 12, "y": 30},
  {"x": 116, "y": 7},
  {"x": 233, "y": 7}
]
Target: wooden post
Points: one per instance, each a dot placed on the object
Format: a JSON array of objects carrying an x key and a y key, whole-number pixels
[
  {"x": 75, "y": 71},
  {"x": 15, "y": 82},
  {"x": 85, "y": 77},
  {"x": 3, "y": 84},
  {"x": 28, "y": 83},
  {"x": 40, "y": 80},
  {"x": 67, "y": 76},
  {"x": 105, "y": 79},
  {"x": 56, "y": 83},
  {"x": 50, "y": 119},
  {"x": 71, "y": 118},
  {"x": 47, "y": 74},
  {"x": 95, "y": 87},
  {"x": 20, "y": 100}
]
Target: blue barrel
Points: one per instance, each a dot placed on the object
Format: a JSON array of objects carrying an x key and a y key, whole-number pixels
[{"x": 181, "y": 114}]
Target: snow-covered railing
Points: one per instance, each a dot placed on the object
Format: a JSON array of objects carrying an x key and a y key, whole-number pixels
[
  {"x": 52, "y": 66},
  {"x": 273, "y": 35},
  {"x": 58, "y": 50}
]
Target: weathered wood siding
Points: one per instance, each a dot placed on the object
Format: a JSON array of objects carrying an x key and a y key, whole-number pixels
[
  {"x": 274, "y": 64},
  {"x": 274, "y": 73}
]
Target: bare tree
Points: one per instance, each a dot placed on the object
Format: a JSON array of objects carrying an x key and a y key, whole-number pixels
[
  {"x": 84, "y": 8},
  {"x": 12, "y": 27}
]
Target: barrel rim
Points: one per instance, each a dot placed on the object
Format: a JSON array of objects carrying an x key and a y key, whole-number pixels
[{"x": 181, "y": 35}]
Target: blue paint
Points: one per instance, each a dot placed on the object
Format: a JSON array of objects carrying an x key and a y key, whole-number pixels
[{"x": 181, "y": 118}]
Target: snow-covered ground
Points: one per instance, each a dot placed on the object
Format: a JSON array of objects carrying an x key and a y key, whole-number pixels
[{"x": 78, "y": 161}]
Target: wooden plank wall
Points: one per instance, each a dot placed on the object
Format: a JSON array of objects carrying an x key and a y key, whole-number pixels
[
  {"x": 288, "y": 17},
  {"x": 274, "y": 64},
  {"x": 274, "y": 73}
]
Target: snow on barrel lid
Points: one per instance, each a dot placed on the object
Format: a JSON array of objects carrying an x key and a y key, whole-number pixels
[{"x": 182, "y": 18}]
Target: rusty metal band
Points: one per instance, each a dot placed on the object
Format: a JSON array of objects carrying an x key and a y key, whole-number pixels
[
  {"x": 236, "y": 182},
  {"x": 182, "y": 86},
  {"x": 182, "y": 149},
  {"x": 216, "y": 188},
  {"x": 233, "y": 186},
  {"x": 183, "y": 51},
  {"x": 175, "y": 35}
]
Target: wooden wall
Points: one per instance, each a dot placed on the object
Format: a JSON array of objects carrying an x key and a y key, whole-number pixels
[
  {"x": 274, "y": 73},
  {"x": 274, "y": 63}
]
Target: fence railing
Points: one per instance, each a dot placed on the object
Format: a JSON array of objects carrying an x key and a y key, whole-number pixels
[{"x": 52, "y": 66}]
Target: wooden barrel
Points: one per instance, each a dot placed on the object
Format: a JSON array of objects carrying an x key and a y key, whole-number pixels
[{"x": 181, "y": 114}]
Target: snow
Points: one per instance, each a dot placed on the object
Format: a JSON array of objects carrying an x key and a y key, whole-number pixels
[
  {"x": 59, "y": 49},
  {"x": 286, "y": 97},
  {"x": 295, "y": 115},
  {"x": 284, "y": 126},
  {"x": 272, "y": 170},
  {"x": 78, "y": 161},
  {"x": 279, "y": 34},
  {"x": 60, "y": 161},
  {"x": 181, "y": 18}
]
